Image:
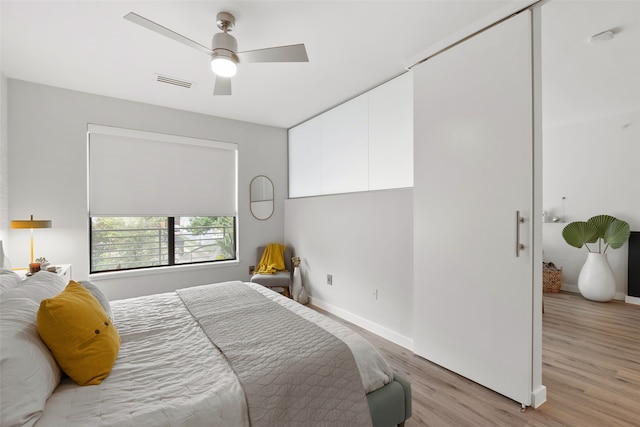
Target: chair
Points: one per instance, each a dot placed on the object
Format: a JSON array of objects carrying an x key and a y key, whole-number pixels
[{"x": 280, "y": 281}]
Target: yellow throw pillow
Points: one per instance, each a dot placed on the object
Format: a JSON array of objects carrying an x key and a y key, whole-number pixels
[{"x": 79, "y": 334}]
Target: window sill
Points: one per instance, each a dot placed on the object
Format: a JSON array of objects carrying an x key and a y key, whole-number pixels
[{"x": 163, "y": 270}]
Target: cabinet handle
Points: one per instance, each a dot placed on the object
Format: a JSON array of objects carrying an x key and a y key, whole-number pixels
[{"x": 519, "y": 246}]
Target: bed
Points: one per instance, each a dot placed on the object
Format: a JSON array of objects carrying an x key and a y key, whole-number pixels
[{"x": 225, "y": 354}]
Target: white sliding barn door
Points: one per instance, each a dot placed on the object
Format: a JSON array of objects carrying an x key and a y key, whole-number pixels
[{"x": 473, "y": 170}]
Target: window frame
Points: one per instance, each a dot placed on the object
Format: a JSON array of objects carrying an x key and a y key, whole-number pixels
[
  {"x": 170, "y": 248},
  {"x": 129, "y": 189}
]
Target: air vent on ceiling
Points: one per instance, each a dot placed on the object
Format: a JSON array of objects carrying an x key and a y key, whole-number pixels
[{"x": 175, "y": 82}]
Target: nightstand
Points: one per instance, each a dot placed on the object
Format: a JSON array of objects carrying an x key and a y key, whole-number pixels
[{"x": 62, "y": 270}]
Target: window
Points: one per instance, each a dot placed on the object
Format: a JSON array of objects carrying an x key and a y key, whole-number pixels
[
  {"x": 123, "y": 243},
  {"x": 159, "y": 200}
]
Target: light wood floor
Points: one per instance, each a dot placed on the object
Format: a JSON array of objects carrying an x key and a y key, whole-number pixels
[{"x": 591, "y": 368}]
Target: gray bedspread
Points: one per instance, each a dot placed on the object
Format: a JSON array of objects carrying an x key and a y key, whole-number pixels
[{"x": 292, "y": 372}]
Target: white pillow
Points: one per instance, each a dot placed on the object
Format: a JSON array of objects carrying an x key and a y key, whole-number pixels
[
  {"x": 100, "y": 296},
  {"x": 40, "y": 286},
  {"x": 28, "y": 370},
  {"x": 8, "y": 280}
]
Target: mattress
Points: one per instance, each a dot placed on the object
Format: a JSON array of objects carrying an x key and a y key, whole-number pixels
[{"x": 169, "y": 373}]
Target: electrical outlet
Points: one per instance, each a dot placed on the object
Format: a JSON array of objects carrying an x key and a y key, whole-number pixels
[
  {"x": 251, "y": 268},
  {"x": 375, "y": 294},
  {"x": 329, "y": 279}
]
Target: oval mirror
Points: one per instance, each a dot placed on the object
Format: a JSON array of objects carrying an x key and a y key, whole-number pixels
[{"x": 261, "y": 195}]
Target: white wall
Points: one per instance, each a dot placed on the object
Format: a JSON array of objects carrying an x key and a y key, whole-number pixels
[
  {"x": 594, "y": 164},
  {"x": 48, "y": 178},
  {"x": 364, "y": 240},
  {"x": 4, "y": 162}
]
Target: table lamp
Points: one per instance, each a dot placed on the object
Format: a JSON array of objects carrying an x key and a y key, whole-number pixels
[{"x": 31, "y": 224}]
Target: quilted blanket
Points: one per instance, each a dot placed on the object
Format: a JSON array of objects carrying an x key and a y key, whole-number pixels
[{"x": 290, "y": 376}]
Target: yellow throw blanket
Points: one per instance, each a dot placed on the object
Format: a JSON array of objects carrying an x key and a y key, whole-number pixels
[{"x": 272, "y": 259}]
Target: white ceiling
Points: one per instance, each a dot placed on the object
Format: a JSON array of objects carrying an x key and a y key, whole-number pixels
[
  {"x": 583, "y": 81},
  {"x": 352, "y": 46}
]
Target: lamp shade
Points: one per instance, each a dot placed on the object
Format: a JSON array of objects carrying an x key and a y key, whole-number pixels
[{"x": 31, "y": 223}]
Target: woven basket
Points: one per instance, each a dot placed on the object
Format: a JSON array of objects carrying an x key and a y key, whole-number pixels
[{"x": 551, "y": 280}]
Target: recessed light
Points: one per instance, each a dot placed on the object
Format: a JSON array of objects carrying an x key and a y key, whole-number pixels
[{"x": 601, "y": 37}]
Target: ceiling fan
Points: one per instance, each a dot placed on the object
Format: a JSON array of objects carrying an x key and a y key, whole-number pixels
[{"x": 224, "y": 49}]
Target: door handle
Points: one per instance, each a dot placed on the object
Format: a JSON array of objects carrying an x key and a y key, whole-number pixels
[{"x": 519, "y": 246}]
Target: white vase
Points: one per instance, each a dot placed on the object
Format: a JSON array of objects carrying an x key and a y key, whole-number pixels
[
  {"x": 5, "y": 264},
  {"x": 297, "y": 284},
  {"x": 303, "y": 298},
  {"x": 596, "y": 281}
]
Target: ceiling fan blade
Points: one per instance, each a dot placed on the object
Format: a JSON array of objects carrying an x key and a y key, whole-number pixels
[
  {"x": 150, "y": 25},
  {"x": 222, "y": 86},
  {"x": 291, "y": 53}
]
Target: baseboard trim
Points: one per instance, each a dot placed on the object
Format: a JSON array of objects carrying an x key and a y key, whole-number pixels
[
  {"x": 574, "y": 289},
  {"x": 632, "y": 300},
  {"x": 538, "y": 396},
  {"x": 570, "y": 288},
  {"x": 370, "y": 326}
]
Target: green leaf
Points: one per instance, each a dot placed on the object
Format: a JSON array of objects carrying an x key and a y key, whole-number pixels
[
  {"x": 602, "y": 223},
  {"x": 617, "y": 233},
  {"x": 580, "y": 232}
]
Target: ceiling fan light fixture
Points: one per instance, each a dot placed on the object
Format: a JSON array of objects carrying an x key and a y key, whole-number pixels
[
  {"x": 224, "y": 53},
  {"x": 223, "y": 64}
]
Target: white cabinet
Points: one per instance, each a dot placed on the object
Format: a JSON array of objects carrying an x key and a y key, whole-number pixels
[
  {"x": 305, "y": 147},
  {"x": 391, "y": 134},
  {"x": 344, "y": 147},
  {"x": 64, "y": 271},
  {"x": 364, "y": 144}
]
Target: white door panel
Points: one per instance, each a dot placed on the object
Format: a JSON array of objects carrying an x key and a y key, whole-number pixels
[
  {"x": 473, "y": 169},
  {"x": 305, "y": 159}
]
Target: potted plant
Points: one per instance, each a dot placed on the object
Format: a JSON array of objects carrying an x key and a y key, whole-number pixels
[{"x": 596, "y": 280}]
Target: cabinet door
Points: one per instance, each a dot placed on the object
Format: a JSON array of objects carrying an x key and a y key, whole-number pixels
[
  {"x": 305, "y": 159},
  {"x": 391, "y": 134},
  {"x": 344, "y": 147},
  {"x": 473, "y": 171}
]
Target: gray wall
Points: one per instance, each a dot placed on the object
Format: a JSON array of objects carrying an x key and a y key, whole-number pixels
[
  {"x": 48, "y": 178},
  {"x": 364, "y": 240}
]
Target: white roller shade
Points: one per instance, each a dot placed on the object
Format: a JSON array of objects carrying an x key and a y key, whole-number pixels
[{"x": 134, "y": 173}]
